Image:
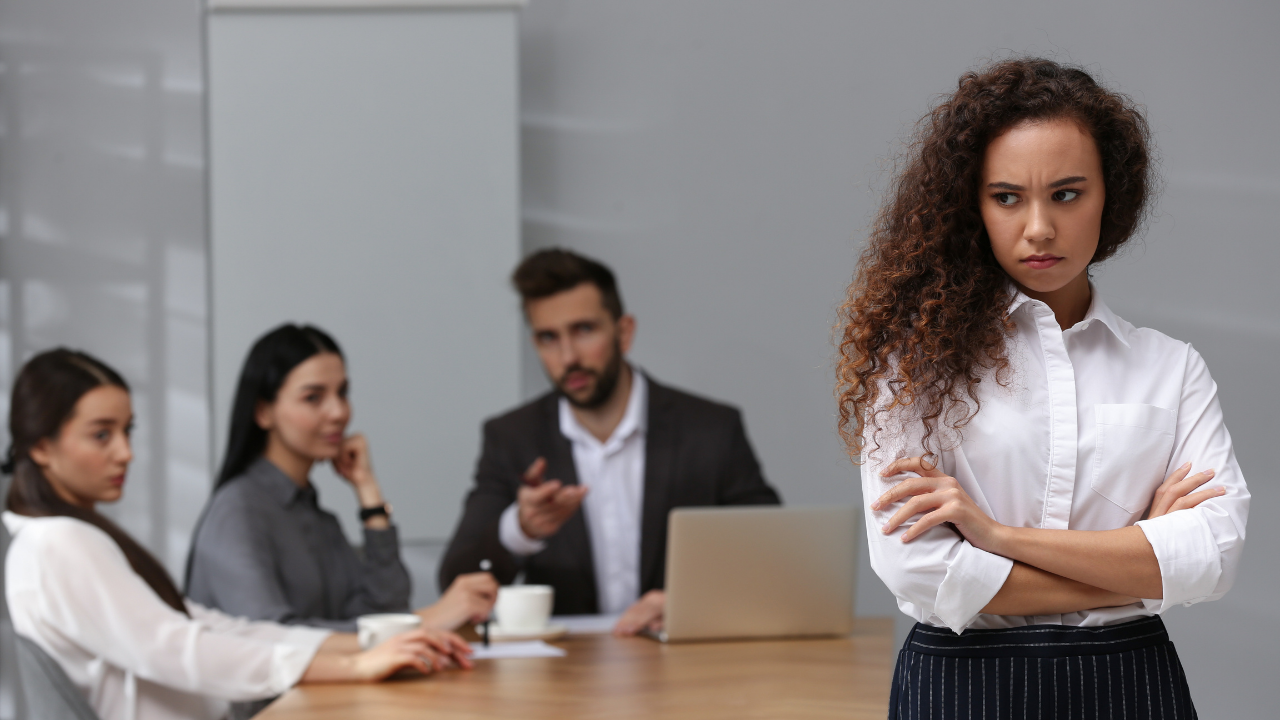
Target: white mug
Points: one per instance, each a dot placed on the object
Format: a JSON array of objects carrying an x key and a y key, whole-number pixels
[
  {"x": 375, "y": 629},
  {"x": 524, "y": 608}
]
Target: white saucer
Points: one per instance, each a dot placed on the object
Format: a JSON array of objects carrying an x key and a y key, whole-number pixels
[{"x": 497, "y": 634}]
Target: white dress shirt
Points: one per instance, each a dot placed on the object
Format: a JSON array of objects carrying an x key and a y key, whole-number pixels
[
  {"x": 1091, "y": 421},
  {"x": 71, "y": 590},
  {"x": 614, "y": 473}
]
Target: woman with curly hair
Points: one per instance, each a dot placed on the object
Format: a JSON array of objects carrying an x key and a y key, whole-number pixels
[{"x": 1026, "y": 454}]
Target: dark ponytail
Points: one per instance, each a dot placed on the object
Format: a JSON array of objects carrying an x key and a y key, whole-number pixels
[
  {"x": 45, "y": 395},
  {"x": 270, "y": 361}
]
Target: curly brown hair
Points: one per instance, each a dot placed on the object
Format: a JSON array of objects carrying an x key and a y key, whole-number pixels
[{"x": 925, "y": 318}]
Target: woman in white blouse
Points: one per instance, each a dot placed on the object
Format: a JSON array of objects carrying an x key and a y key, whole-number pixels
[
  {"x": 1026, "y": 454},
  {"x": 105, "y": 609}
]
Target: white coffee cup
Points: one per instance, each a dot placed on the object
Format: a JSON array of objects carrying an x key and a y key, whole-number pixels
[
  {"x": 375, "y": 629},
  {"x": 524, "y": 608}
]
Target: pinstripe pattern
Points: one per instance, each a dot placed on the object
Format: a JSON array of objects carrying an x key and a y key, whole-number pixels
[{"x": 1122, "y": 672}]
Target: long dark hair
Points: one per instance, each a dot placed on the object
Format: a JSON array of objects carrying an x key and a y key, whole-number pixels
[
  {"x": 270, "y": 361},
  {"x": 925, "y": 320},
  {"x": 44, "y": 398}
]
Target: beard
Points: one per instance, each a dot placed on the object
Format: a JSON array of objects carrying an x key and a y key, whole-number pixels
[{"x": 606, "y": 381}]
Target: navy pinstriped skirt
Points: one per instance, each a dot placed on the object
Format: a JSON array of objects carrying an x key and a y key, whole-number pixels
[{"x": 1041, "y": 672}]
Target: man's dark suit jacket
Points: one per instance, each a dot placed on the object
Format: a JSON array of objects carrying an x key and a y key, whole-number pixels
[{"x": 696, "y": 454}]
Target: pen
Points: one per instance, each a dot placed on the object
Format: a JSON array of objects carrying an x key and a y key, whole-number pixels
[{"x": 484, "y": 632}]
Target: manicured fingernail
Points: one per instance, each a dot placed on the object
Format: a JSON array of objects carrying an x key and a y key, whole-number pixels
[
  {"x": 884, "y": 530},
  {"x": 1185, "y": 465},
  {"x": 1222, "y": 491},
  {"x": 1209, "y": 472},
  {"x": 875, "y": 505}
]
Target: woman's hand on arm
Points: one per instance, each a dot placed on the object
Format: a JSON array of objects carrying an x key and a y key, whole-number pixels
[
  {"x": 423, "y": 650},
  {"x": 939, "y": 498},
  {"x": 1121, "y": 560},
  {"x": 1117, "y": 561},
  {"x": 1178, "y": 491},
  {"x": 355, "y": 466}
]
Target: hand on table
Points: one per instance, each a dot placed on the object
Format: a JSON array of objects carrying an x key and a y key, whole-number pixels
[
  {"x": 423, "y": 650},
  {"x": 644, "y": 614},
  {"x": 470, "y": 598},
  {"x": 545, "y": 505}
]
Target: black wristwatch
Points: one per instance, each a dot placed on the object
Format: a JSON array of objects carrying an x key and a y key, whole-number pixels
[{"x": 373, "y": 512}]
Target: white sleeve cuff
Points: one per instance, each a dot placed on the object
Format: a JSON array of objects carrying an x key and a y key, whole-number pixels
[
  {"x": 513, "y": 538},
  {"x": 973, "y": 577},
  {"x": 1190, "y": 562},
  {"x": 310, "y": 638},
  {"x": 288, "y": 664}
]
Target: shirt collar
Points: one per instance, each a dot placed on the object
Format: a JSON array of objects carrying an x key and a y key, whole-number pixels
[
  {"x": 279, "y": 486},
  {"x": 1098, "y": 310},
  {"x": 13, "y": 522},
  {"x": 634, "y": 420}
]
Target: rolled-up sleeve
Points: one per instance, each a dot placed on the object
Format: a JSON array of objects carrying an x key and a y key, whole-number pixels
[
  {"x": 938, "y": 577},
  {"x": 1199, "y": 549}
]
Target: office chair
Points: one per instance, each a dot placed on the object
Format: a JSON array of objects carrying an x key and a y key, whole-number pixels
[{"x": 43, "y": 689}]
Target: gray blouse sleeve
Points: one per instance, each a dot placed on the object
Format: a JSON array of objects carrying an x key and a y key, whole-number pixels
[
  {"x": 243, "y": 565},
  {"x": 381, "y": 583}
]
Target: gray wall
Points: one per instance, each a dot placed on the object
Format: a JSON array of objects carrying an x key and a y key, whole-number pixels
[
  {"x": 102, "y": 226},
  {"x": 102, "y": 231},
  {"x": 725, "y": 158}
]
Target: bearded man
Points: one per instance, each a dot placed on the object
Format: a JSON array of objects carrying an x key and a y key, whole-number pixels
[{"x": 573, "y": 489}]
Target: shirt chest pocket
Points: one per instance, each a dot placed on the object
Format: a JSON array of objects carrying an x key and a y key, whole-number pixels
[{"x": 1132, "y": 452}]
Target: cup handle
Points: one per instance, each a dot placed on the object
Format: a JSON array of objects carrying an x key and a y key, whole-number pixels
[{"x": 365, "y": 637}]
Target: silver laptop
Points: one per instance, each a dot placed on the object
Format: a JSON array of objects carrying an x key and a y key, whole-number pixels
[{"x": 757, "y": 572}]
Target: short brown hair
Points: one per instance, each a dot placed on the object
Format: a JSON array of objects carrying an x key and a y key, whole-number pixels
[{"x": 554, "y": 270}]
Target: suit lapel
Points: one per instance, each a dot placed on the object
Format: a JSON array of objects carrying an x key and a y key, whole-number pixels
[
  {"x": 560, "y": 466},
  {"x": 661, "y": 445}
]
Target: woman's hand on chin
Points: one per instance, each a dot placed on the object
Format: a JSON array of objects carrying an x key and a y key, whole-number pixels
[
  {"x": 355, "y": 466},
  {"x": 353, "y": 462},
  {"x": 939, "y": 498}
]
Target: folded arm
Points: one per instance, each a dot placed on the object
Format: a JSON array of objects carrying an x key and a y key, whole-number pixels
[
  {"x": 1031, "y": 591},
  {"x": 1120, "y": 563}
]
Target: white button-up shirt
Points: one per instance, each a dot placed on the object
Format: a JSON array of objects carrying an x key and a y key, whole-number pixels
[
  {"x": 71, "y": 590},
  {"x": 1090, "y": 422},
  {"x": 613, "y": 471}
]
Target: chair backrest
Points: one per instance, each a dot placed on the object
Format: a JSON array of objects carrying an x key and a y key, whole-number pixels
[
  {"x": 43, "y": 690},
  {"x": 47, "y": 692},
  {"x": 10, "y": 685}
]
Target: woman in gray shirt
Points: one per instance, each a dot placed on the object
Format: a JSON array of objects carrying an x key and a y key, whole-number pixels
[{"x": 264, "y": 548}]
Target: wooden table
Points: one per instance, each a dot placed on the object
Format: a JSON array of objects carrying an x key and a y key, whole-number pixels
[{"x": 616, "y": 678}]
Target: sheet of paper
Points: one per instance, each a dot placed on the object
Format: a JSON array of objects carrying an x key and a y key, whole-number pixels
[
  {"x": 587, "y": 624},
  {"x": 531, "y": 649}
]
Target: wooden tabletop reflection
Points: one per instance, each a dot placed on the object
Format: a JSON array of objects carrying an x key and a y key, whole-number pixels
[{"x": 617, "y": 678}]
